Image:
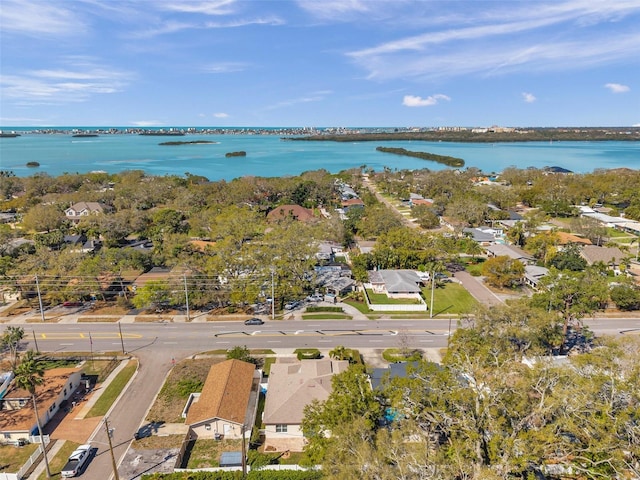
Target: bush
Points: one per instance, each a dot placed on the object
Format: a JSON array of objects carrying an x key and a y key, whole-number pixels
[
  {"x": 325, "y": 309},
  {"x": 308, "y": 353},
  {"x": 394, "y": 355},
  {"x": 626, "y": 297}
]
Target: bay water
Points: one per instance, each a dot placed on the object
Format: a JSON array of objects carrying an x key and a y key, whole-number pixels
[{"x": 271, "y": 156}]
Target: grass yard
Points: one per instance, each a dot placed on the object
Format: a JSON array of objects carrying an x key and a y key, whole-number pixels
[
  {"x": 360, "y": 306},
  {"x": 157, "y": 442},
  {"x": 450, "y": 299},
  {"x": 186, "y": 377},
  {"x": 326, "y": 316},
  {"x": 111, "y": 392},
  {"x": 58, "y": 462},
  {"x": 12, "y": 458},
  {"x": 206, "y": 453},
  {"x": 382, "y": 299}
]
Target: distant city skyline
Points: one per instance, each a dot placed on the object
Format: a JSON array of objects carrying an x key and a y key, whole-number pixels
[{"x": 349, "y": 63}]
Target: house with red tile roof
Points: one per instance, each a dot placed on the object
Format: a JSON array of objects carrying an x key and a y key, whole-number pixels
[{"x": 294, "y": 212}]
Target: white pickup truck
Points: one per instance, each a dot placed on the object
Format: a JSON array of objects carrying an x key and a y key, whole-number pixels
[{"x": 76, "y": 461}]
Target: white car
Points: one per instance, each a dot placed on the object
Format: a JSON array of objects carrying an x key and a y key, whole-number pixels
[{"x": 76, "y": 461}]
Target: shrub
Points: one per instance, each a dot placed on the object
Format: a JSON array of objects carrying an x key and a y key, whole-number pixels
[
  {"x": 394, "y": 355},
  {"x": 325, "y": 309},
  {"x": 308, "y": 353}
]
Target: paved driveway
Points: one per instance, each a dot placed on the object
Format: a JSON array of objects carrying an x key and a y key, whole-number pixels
[{"x": 477, "y": 289}]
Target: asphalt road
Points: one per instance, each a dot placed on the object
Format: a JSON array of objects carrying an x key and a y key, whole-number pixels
[
  {"x": 179, "y": 340},
  {"x": 158, "y": 345}
]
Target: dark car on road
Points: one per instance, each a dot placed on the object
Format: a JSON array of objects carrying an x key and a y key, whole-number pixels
[
  {"x": 72, "y": 304},
  {"x": 253, "y": 321}
]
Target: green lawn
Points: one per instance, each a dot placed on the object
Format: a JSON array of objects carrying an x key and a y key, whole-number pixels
[
  {"x": 112, "y": 390},
  {"x": 452, "y": 299},
  {"x": 60, "y": 460},
  {"x": 326, "y": 316},
  {"x": 382, "y": 299},
  {"x": 12, "y": 458}
]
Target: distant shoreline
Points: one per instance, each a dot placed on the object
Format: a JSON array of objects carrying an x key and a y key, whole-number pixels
[{"x": 346, "y": 134}]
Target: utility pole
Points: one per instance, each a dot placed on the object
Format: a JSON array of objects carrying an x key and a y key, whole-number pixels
[
  {"x": 244, "y": 455},
  {"x": 186, "y": 296},
  {"x": 35, "y": 341},
  {"x": 433, "y": 286},
  {"x": 113, "y": 459},
  {"x": 273, "y": 298},
  {"x": 121, "y": 339},
  {"x": 39, "y": 298}
]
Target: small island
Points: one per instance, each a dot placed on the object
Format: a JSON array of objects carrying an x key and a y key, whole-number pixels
[
  {"x": 33, "y": 164},
  {"x": 84, "y": 135},
  {"x": 192, "y": 142},
  {"x": 444, "y": 159},
  {"x": 236, "y": 154}
]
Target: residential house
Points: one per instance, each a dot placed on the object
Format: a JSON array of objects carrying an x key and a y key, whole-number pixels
[
  {"x": 366, "y": 246},
  {"x": 395, "y": 283},
  {"x": 15, "y": 244},
  {"x": 380, "y": 376},
  {"x": 416, "y": 199},
  {"x": 352, "y": 204},
  {"x": 292, "y": 386},
  {"x": 565, "y": 239},
  {"x": 483, "y": 236},
  {"x": 82, "y": 209},
  {"x": 17, "y": 417},
  {"x": 533, "y": 274},
  {"x": 610, "y": 256},
  {"x": 227, "y": 405},
  {"x": 510, "y": 251},
  {"x": 294, "y": 212}
]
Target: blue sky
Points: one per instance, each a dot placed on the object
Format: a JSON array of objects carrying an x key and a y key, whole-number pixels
[{"x": 319, "y": 63}]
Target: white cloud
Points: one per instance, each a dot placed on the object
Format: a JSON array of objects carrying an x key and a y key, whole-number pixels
[
  {"x": 498, "y": 41},
  {"x": 528, "y": 97},
  {"x": 221, "y": 115},
  {"x": 36, "y": 18},
  {"x": 415, "y": 101},
  {"x": 225, "y": 67},
  {"x": 147, "y": 123},
  {"x": 312, "y": 97},
  {"x": 617, "y": 87},
  {"x": 217, "y": 7},
  {"x": 335, "y": 9},
  {"x": 76, "y": 81}
]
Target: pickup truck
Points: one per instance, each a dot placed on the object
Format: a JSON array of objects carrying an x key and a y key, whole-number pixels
[{"x": 76, "y": 461}]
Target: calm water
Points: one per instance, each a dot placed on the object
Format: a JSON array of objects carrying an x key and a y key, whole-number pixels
[{"x": 269, "y": 156}]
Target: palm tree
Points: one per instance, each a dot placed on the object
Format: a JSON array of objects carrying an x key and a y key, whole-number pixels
[
  {"x": 11, "y": 339},
  {"x": 340, "y": 353},
  {"x": 29, "y": 374}
]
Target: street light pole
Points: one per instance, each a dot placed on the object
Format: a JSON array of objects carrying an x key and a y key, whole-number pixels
[
  {"x": 113, "y": 458},
  {"x": 273, "y": 299},
  {"x": 433, "y": 286}
]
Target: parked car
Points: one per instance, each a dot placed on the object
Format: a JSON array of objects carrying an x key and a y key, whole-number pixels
[
  {"x": 254, "y": 321},
  {"x": 76, "y": 461},
  {"x": 315, "y": 298},
  {"x": 291, "y": 305},
  {"x": 72, "y": 304}
]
